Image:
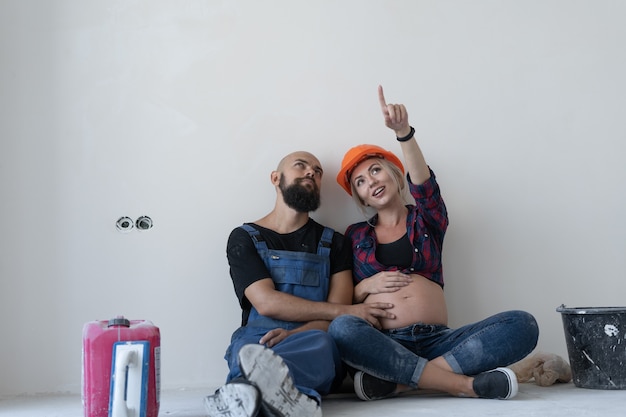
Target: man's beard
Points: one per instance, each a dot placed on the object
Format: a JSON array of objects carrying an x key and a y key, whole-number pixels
[{"x": 299, "y": 197}]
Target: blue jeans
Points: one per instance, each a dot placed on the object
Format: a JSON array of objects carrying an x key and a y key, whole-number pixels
[{"x": 399, "y": 355}]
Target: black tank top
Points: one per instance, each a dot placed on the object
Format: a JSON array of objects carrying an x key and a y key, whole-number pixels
[{"x": 398, "y": 253}]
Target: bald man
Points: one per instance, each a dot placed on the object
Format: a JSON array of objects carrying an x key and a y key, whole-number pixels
[{"x": 292, "y": 276}]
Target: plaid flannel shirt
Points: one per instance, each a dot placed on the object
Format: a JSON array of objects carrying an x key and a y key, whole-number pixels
[{"x": 426, "y": 226}]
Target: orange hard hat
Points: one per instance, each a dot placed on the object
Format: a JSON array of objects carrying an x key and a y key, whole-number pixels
[{"x": 358, "y": 154}]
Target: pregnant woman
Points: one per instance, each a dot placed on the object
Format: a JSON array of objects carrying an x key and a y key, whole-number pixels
[{"x": 397, "y": 260}]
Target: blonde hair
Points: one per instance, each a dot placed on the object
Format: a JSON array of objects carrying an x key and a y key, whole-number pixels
[{"x": 397, "y": 177}]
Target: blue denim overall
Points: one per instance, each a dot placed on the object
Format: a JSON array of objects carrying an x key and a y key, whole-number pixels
[{"x": 312, "y": 356}]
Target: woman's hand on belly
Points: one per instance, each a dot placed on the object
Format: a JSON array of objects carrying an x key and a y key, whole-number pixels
[
  {"x": 381, "y": 283},
  {"x": 421, "y": 301}
]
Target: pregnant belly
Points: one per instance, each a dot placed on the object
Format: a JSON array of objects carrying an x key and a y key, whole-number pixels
[{"x": 422, "y": 301}]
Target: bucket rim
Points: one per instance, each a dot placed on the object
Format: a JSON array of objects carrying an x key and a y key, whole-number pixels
[{"x": 589, "y": 310}]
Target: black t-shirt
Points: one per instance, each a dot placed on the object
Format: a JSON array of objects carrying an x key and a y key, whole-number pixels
[
  {"x": 247, "y": 267},
  {"x": 398, "y": 253}
]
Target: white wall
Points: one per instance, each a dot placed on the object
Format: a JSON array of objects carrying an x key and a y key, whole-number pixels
[{"x": 179, "y": 110}]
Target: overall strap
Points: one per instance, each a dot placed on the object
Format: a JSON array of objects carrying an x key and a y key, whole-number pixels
[
  {"x": 323, "y": 247},
  {"x": 256, "y": 237}
]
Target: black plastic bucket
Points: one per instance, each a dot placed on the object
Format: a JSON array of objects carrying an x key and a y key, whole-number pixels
[{"x": 596, "y": 345}]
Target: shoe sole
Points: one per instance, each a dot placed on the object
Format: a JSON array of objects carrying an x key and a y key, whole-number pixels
[
  {"x": 269, "y": 373},
  {"x": 512, "y": 382},
  {"x": 358, "y": 387},
  {"x": 233, "y": 401}
]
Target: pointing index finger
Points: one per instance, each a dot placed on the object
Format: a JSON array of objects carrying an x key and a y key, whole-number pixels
[{"x": 381, "y": 98}]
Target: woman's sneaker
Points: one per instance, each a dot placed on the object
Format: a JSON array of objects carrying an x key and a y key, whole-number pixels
[
  {"x": 279, "y": 395},
  {"x": 499, "y": 383},
  {"x": 368, "y": 387},
  {"x": 235, "y": 399}
]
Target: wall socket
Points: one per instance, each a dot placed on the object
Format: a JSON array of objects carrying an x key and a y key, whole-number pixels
[
  {"x": 143, "y": 223},
  {"x": 125, "y": 224}
]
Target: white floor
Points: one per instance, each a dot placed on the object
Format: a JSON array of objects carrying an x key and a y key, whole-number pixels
[{"x": 532, "y": 400}]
